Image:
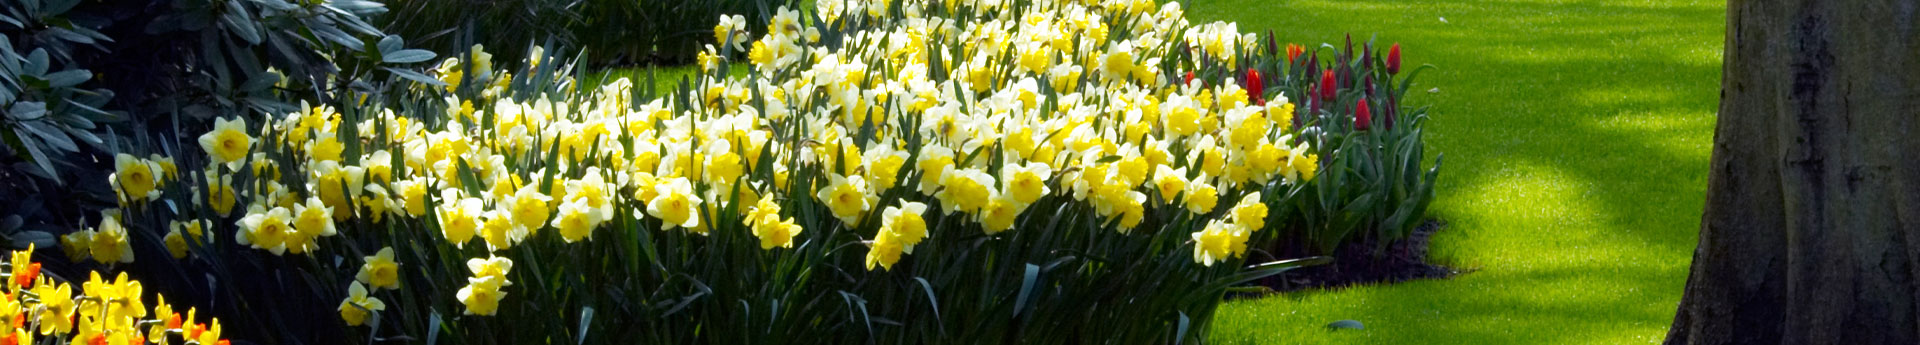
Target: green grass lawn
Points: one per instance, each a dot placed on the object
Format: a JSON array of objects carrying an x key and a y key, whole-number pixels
[{"x": 1576, "y": 136}]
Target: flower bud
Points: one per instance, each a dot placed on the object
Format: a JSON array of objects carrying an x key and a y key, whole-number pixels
[
  {"x": 1393, "y": 59},
  {"x": 1362, "y": 117}
]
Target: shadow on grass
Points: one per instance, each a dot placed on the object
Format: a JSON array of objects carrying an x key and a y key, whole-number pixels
[{"x": 1577, "y": 136}]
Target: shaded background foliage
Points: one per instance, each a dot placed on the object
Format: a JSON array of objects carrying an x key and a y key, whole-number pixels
[{"x": 86, "y": 79}]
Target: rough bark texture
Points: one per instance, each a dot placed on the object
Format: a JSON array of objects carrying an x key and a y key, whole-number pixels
[{"x": 1811, "y": 233}]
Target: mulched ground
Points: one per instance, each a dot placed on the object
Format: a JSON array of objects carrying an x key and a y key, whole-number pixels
[{"x": 1365, "y": 262}]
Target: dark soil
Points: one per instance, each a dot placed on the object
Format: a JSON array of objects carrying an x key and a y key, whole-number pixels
[{"x": 1366, "y": 262}]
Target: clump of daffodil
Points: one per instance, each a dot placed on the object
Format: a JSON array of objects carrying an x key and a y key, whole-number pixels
[
  {"x": 483, "y": 292},
  {"x": 987, "y": 112},
  {"x": 101, "y": 311},
  {"x": 773, "y": 231}
]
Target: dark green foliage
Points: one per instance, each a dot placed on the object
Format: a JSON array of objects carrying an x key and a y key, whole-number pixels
[
  {"x": 609, "y": 32},
  {"x": 82, "y": 80}
]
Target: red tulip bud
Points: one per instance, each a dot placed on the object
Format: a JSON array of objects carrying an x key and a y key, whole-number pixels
[
  {"x": 1362, "y": 117},
  {"x": 1256, "y": 87},
  {"x": 1393, "y": 59},
  {"x": 1327, "y": 85},
  {"x": 1189, "y": 80},
  {"x": 1294, "y": 51}
]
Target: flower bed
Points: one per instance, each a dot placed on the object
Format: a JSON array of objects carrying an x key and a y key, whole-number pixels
[{"x": 924, "y": 173}]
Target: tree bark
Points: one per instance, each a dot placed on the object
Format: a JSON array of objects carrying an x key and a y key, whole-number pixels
[{"x": 1811, "y": 233}]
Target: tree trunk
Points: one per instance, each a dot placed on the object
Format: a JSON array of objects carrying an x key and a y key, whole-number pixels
[{"x": 1811, "y": 233}]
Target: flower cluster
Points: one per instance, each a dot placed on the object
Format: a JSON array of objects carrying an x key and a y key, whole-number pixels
[
  {"x": 103, "y": 312},
  {"x": 982, "y": 111}
]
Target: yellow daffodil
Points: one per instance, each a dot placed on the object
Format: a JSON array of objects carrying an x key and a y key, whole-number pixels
[
  {"x": 380, "y": 270},
  {"x": 110, "y": 243},
  {"x": 358, "y": 306},
  {"x": 675, "y": 205},
  {"x": 846, "y": 197},
  {"x": 459, "y": 217},
  {"x": 228, "y": 142}
]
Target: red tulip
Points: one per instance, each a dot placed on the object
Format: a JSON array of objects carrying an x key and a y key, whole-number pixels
[
  {"x": 1256, "y": 87},
  {"x": 1189, "y": 80},
  {"x": 1393, "y": 59},
  {"x": 1362, "y": 117},
  {"x": 1294, "y": 51},
  {"x": 1327, "y": 85}
]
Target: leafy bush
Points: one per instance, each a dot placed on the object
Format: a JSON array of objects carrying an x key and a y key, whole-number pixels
[
  {"x": 81, "y": 80},
  {"x": 506, "y": 26},
  {"x": 1004, "y": 173},
  {"x": 608, "y": 32}
]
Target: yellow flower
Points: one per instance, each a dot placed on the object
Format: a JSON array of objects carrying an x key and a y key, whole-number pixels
[
  {"x": 1169, "y": 181},
  {"x": 358, "y": 306},
  {"x": 135, "y": 178},
  {"x": 176, "y": 244},
  {"x": 1000, "y": 213},
  {"x": 75, "y": 245},
  {"x": 220, "y": 194},
  {"x": 337, "y": 186},
  {"x": 764, "y": 210},
  {"x": 907, "y": 221},
  {"x": 1304, "y": 165},
  {"x": 1250, "y": 213},
  {"x": 228, "y": 142},
  {"x": 529, "y": 207},
  {"x": 777, "y": 234},
  {"x": 500, "y": 230},
  {"x": 310, "y": 221},
  {"x": 1201, "y": 196},
  {"x": 966, "y": 190},
  {"x": 593, "y": 187},
  {"x": 725, "y": 168},
  {"x": 266, "y": 229},
  {"x": 120, "y": 299},
  {"x": 459, "y": 217},
  {"x": 846, "y": 197},
  {"x": 886, "y": 250},
  {"x": 413, "y": 193},
  {"x": 933, "y": 162},
  {"x": 110, "y": 244},
  {"x": 56, "y": 309},
  {"x": 380, "y": 271},
  {"x": 377, "y": 201},
  {"x": 1028, "y": 182},
  {"x": 675, "y": 205},
  {"x": 1215, "y": 243},
  {"x": 481, "y": 296},
  {"x": 325, "y": 147},
  {"x": 576, "y": 221},
  {"x": 491, "y": 267}
]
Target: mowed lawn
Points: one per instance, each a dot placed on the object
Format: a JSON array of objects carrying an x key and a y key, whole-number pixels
[{"x": 1576, "y": 136}]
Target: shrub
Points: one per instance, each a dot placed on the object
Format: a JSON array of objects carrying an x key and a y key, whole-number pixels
[
  {"x": 80, "y": 80},
  {"x": 950, "y": 173}
]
